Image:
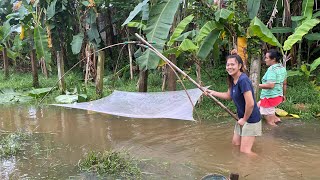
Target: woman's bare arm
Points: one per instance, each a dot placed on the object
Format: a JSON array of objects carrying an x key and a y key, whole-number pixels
[{"x": 221, "y": 95}]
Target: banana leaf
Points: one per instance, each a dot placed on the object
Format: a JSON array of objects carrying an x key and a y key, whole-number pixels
[
  {"x": 66, "y": 99},
  {"x": 188, "y": 45},
  {"x": 257, "y": 28},
  {"x": 91, "y": 17},
  {"x": 223, "y": 14},
  {"x": 136, "y": 24},
  {"x": 313, "y": 36},
  {"x": 183, "y": 36},
  {"x": 206, "y": 30},
  {"x": 37, "y": 93},
  {"x": 207, "y": 44},
  {"x": 76, "y": 43},
  {"x": 315, "y": 15},
  {"x": 41, "y": 43},
  {"x": 5, "y": 30},
  {"x": 179, "y": 29},
  {"x": 281, "y": 30},
  {"x": 299, "y": 33},
  {"x": 135, "y": 11},
  {"x": 12, "y": 54},
  {"x": 93, "y": 35},
  {"x": 307, "y": 8},
  {"x": 281, "y": 112},
  {"x": 315, "y": 64},
  {"x": 297, "y": 18},
  {"x": 253, "y": 8},
  {"x": 304, "y": 69},
  {"x": 160, "y": 21},
  {"x": 174, "y": 51},
  {"x": 294, "y": 73},
  {"x": 145, "y": 12},
  {"x": 51, "y": 10}
]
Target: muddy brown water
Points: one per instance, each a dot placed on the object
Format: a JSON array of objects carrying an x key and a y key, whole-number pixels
[{"x": 170, "y": 149}]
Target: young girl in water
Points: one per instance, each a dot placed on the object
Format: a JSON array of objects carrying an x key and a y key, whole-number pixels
[{"x": 241, "y": 92}]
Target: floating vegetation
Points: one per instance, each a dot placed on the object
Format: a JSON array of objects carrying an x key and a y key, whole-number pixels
[
  {"x": 9, "y": 96},
  {"x": 13, "y": 143},
  {"x": 110, "y": 163}
]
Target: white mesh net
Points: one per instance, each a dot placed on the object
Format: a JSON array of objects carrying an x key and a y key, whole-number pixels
[{"x": 170, "y": 104}]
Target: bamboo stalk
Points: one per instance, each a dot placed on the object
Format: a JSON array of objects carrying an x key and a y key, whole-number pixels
[{"x": 190, "y": 79}]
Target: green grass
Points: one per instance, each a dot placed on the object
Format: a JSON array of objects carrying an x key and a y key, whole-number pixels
[
  {"x": 110, "y": 163},
  {"x": 13, "y": 143},
  {"x": 302, "y": 98}
]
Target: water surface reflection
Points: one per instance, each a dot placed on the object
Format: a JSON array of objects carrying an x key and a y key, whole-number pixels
[{"x": 175, "y": 149}]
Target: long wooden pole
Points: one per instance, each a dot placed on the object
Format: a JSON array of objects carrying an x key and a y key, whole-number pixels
[{"x": 183, "y": 73}]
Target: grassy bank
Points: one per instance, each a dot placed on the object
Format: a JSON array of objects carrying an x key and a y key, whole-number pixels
[{"x": 302, "y": 98}]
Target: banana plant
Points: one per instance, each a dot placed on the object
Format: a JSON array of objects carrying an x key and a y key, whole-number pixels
[
  {"x": 305, "y": 69},
  {"x": 201, "y": 42},
  {"x": 161, "y": 16},
  {"x": 27, "y": 18},
  {"x": 257, "y": 28},
  {"x": 306, "y": 22}
]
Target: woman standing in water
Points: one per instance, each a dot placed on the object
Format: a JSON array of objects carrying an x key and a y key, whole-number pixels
[
  {"x": 273, "y": 87},
  {"x": 241, "y": 92}
]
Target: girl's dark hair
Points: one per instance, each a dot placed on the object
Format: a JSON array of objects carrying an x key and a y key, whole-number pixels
[
  {"x": 274, "y": 54},
  {"x": 239, "y": 60}
]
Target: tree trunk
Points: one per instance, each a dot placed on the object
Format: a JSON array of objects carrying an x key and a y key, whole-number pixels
[
  {"x": 109, "y": 31},
  {"x": 35, "y": 80},
  {"x": 255, "y": 70},
  {"x": 299, "y": 55},
  {"x": 143, "y": 81},
  {"x": 101, "y": 26},
  {"x": 5, "y": 63},
  {"x": 171, "y": 77},
  {"x": 60, "y": 64},
  {"x": 198, "y": 71},
  {"x": 100, "y": 73},
  {"x": 44, "y": 68}
]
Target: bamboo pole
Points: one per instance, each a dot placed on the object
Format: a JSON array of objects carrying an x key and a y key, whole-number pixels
[{"x": 183, "y": 73}]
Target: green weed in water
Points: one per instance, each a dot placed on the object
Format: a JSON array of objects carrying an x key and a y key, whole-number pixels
[
  {"x": 12, "y": 143},
  {"x": 110, "y": 163}
]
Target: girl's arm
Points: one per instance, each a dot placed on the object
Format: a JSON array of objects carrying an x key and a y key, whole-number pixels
[
  {"x": 267, "y": 86},
  {"x": 248, "y": 108},
  {"x": 221, "y": 95}
]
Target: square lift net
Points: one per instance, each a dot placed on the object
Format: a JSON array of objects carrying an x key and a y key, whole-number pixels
[{"x": 169, "y": 104}]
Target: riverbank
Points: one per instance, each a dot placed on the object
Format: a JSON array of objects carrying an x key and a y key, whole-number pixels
[{"x": 302, "y": 98}]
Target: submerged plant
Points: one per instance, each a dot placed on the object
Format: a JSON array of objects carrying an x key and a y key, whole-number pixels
[
  {"x": 110, "y": 163},
  {"x": 12, "y": 143}
]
